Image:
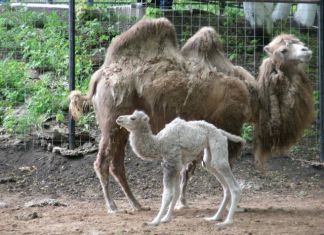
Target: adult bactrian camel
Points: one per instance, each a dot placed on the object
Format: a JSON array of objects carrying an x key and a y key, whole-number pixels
[{"x": 144, "y": 69}]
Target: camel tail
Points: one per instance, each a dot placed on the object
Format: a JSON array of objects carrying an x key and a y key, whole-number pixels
[
  {"x": 233, "y": 138},
  {"x": 76, "y": 104},
  {"x": 77, "y": 101}
]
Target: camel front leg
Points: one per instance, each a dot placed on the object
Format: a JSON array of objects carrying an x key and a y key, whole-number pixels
[
  {"x": 117, "y": 166},
  {"x": 168, "y": 197},
  {"x": 175, "y": 193}
]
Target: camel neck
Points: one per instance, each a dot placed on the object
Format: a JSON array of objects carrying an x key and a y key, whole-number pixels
[{"x": 145, "y": 144}]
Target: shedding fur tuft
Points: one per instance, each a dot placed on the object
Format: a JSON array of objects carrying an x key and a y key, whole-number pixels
[{"x": 76, "y": 104}]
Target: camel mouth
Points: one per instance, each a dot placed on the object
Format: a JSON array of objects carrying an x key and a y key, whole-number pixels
[
  {"x": 119, "y": 121},
  {"x": 306, "y": 57}
]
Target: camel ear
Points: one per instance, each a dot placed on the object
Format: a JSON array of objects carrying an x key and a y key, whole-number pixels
[
  {"x": 146, "y": 119},
  {"x": 278, "y": 57},
  {"x": 267, "y": 50},
  {"x": 287, "y": 42}
]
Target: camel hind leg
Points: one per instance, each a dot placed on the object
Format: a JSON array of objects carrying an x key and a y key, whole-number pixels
[
  {"x": 101, "y": 167},
  {"x": 226, "y": 193},
  {"x": 219, "y": 166},
  {"x": 186, "y": 174}
]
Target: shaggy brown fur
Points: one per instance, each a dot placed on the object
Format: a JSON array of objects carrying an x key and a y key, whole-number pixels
[
  {"x": 286, "y": 103},
  {"x": 204, "y": 49},
  {"x": 149, "y": 73},
  {"x": 145, "y": 70}
]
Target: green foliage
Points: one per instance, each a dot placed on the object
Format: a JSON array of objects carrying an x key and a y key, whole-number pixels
[
  {"x": 182, "y": 5},
  {"x": 233, "y": 15},
  {"x": 26, "y": 103},
  {"x": 12, "y": 82},
  {"x": 247, "y": 132},
  {"x": 151, "y": 12},
  {"x": 39, "y": 41}
]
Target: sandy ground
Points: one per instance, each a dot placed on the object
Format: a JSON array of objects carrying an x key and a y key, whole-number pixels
[
  {"x": 288, "y": 199},
  {"x": 267, "y": 213}
]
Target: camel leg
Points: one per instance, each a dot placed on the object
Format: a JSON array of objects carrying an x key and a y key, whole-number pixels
[
  {"x": 225, "y": 171},
  {"x": 169, "y": 178},
  {"x": 234, "y": 149},
  {"x": 101, "y": 167},
  {"x": 260, "y": 158},
  {"x": 117, "y": 166},
  {"x": 186, "y": 174},
  {"x": 216, "y": 161},
  {"x": 182, "y": 202},
  {"x": 226, "y": 193},
  {"x": 176, "y": 193}
]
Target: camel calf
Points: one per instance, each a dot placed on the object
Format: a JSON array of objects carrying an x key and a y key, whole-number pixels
[{"x": 178, "y": 144}]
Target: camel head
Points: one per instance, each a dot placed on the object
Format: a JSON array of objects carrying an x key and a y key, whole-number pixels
[
  {"x": 286, "y": 49},
  {"x": 134, "y": 121}
]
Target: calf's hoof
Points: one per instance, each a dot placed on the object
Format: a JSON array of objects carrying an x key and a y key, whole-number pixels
[
  {"x": 152, "y": 223},
  {"x": 224, "y": 224}
]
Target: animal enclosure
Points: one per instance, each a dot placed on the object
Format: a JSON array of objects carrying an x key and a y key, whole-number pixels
[{"x": 34, "y": 53}]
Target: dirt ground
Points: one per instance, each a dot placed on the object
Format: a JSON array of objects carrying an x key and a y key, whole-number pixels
[{"x": 287, "y": 199}]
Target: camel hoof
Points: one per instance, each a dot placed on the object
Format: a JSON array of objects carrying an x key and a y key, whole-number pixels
[
  {"x": 213, "y": 219},
  {"x": 224, "y": 224},
  {"x": 117, "y": 211},
  {"x": 240, "y": 209},
  {"x": 165, "y": 220},
  {"x": 152, "y": 223},
  {"x": 142, "y": 209},
  {"x": 181, "y": 206}
]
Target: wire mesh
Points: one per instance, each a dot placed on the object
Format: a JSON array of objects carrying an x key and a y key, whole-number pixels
[{"x": 34, "y": 51}]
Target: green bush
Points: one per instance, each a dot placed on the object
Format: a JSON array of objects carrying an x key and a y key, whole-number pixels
[{"x": 38, "y": 41}]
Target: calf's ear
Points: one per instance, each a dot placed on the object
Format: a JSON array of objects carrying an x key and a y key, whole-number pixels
[
  {"x": 145, "y": 118},
  {"x": 267, "y": 49}
]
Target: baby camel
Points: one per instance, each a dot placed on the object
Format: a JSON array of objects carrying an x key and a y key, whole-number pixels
[{"x": 178, "y": 144}]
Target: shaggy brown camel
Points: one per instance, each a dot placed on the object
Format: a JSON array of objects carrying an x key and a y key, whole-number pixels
[
  {"x": 286, "y": 105},
  {"x": 145, "y": 70}
]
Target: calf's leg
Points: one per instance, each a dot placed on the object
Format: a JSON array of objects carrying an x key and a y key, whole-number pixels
[{"x": 170, "y": 177}]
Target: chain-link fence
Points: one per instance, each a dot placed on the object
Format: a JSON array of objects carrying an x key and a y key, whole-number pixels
[{"x": 34, "y": 55}]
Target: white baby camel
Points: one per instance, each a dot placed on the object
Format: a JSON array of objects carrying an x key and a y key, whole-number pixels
[{"x": 178, "y": 144}]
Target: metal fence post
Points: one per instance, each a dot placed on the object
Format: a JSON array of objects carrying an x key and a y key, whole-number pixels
[
  {"x": 321, "y": 76},
  {"x": 71, "y": 124}
]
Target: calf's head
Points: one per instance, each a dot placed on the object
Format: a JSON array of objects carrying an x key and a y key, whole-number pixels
[{"x": 135, "y": 121}]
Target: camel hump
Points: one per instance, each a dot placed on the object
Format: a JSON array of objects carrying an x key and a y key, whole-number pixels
[
  {"x": 146, "y": 39},
  {"x": 203, "y": 41},
  {"x": 206, "y": 47}
]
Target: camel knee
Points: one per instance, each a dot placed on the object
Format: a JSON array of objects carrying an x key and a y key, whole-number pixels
[
  {"x": 101, "y": 168},
  {"x": 221, "y": 167},
  {"x": 236, "y": 190}
]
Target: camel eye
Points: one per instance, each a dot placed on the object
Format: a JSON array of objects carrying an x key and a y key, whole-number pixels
[
  {"x": 132, "y": 118},
  {"x": 283, "y": 51}
]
